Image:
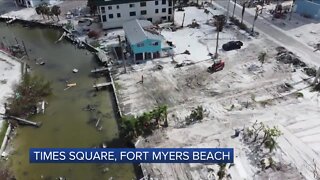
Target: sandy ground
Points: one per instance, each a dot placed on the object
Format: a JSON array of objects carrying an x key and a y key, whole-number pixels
[
  {"x": 245, "y": 91},
  {"x": 303, "y": 29},
  {"x": 10, "y": 73}
]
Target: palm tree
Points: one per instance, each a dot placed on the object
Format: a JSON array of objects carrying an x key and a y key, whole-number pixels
[
  {"x": 220, "y": 21},
  {"x": 291, "y": 9},
  {"x": 243, "y": 10},
  {"x": 228, "y": 10},
  {"x": 262, "y": 57},
  {"x": 255, "y": 18},
  {"x": 92, "y": 6},
  {"x": 56, "y": 11},
  {"x": 46, "y": 10},
  {"x": 39, "y": 10},
  {"x": 234, "y": 8}
]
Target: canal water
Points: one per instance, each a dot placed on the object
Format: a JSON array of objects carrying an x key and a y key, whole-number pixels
[
  {"x": 65, "y": 124},
  {"x": 6, "y": 6}
]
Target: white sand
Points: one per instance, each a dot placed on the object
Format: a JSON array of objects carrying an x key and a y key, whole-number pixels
[
  {"x": 184, "y": 88},
  {"x": 10, "y": 73}
]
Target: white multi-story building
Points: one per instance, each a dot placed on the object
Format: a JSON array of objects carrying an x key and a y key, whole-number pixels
[{"x": 113, "y": 13}]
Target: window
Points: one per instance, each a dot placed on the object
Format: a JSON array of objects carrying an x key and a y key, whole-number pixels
[
  {"x": 143, "y": 4},
  {"x": 104, "y": 18},
  {"x": 109, "y": 7},
  {"x": 164, "y": 10},
  {"x": 110, "y": 16},
  {"x": 131, "y": 5},
  {"x": 155, "y": 44},
  {"x": 156, "y": 2},
  {"x": 117, "y": 6},
  {"x": 103, "y": 10},
  {"x": 169, "y": 18},
  {"x": 140, "y": 44},
  {"x": 157, "y": 10},
  {"x": 133, "y": 13},
  {"x": 164, "y": 1},
  {"x": 143, "y": 12},
  {"x": 118, "y": 15},
  {"x": 170, "y": 11},
  {"x": 164, "y": 17},
  {"x": 170, "y": 2}
]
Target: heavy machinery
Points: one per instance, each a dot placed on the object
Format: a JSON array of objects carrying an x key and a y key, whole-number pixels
[{"x": 216, "y": 66}]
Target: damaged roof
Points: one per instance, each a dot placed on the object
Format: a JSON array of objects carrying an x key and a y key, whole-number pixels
[{"x": 135, "y": 32}]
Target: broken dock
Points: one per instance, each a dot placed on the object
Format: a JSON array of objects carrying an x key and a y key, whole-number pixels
[
  {"x": 101, "y": 85},
  {"x": 98, "y": 70},
  {"x": 23, "y": 121}
]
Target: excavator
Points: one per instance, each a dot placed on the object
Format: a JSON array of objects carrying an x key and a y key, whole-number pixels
[{"x": 216, "y": 66}]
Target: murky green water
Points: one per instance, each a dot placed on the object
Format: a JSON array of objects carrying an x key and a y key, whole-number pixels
[{"x": 64, "y": 123}]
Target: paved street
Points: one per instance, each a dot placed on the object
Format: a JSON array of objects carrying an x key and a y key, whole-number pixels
[{"x": 280, "y": 37}]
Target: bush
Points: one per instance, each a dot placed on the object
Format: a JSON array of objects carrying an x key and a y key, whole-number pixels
[
  {"x": 196, "y": 115},
  {"x": 299, "y": 94},
  {"x": 131, "y": 126},
  {"x": 238, "y": 23},
  {"x": 31, "y": 90}
]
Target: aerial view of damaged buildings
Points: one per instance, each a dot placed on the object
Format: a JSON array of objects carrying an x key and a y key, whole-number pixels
[{"x": 242, "y": 74}]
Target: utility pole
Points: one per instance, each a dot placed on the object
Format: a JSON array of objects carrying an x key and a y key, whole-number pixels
[
  {"x": 234, "y": 7},
  {"x": 184, "y": 14},
  {"x": 228, "y": 10},
  {"x": 291, "y": 10},
  {"x": 122, "y": 54}
]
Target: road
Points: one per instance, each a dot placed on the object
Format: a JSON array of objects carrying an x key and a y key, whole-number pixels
[{"x": 262, "y": 25}]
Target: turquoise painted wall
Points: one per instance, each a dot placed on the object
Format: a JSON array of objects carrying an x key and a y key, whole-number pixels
[
  {"x": 305, "y": 7},
  {"x": 147, "y": 47}
]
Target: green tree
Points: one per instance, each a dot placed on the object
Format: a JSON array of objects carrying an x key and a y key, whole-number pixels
[
  {"x": 269, "y": 138},
  {"x": 262, "y": 57},
  {"x": 56, "y": 11},
  {"x": 92, "y": 6},
  {"x": 219, "y": 23},
  {"x": 39, "y": 11},
  {"x": 46, "y": 10},
  {"x": 31, "y": 90}
]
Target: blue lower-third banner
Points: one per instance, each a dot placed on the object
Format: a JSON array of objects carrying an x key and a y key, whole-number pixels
[{"x": 128, "y": 155}]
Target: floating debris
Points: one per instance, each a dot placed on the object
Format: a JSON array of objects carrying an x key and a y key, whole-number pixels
[
  {"x": 75, "y": 70},
  {"x": 70, "y": 85}
]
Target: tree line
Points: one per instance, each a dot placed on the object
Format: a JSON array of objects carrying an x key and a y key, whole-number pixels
[{"x": 45, "y": 10}]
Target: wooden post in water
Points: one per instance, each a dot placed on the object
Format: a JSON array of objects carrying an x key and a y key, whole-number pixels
[{"x": 25, "y": 49}]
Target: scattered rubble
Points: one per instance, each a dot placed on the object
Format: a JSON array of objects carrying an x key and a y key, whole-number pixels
[{"x": 287, "y": 57}]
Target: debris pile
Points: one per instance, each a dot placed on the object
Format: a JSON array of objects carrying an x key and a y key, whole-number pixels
[
  {"x": 287, "y": 57},
  {"x": 310, "y": 71}
]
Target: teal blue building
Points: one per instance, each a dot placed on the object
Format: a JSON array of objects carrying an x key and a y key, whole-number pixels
[
  {"x": 308, "y": 8},
  {"x": 143, "y": 41}
]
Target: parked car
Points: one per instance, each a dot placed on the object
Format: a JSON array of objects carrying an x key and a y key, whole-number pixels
[{"x": 232, "y": 45}]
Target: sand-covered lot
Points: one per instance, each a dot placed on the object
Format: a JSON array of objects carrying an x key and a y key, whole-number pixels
[
  {"x": 245, "y": 91},
  {"x": 10, "y": 72}
]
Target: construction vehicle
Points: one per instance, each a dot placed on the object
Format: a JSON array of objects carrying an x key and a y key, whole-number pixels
[{"x": 216, "y": 66}]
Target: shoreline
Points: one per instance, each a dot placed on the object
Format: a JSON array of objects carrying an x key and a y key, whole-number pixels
[
  {"x": 9, "y": 90},
  {"x": 116, "y": 105}
]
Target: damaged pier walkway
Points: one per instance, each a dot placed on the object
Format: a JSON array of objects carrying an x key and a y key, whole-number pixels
[
  {"x": 101, "y": 85},
  {"x": 22, "y": 121}
]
